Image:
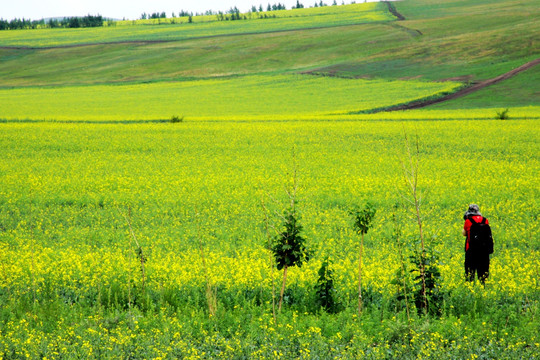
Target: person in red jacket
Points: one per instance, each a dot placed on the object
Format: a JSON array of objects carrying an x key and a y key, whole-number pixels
[{"x": 475, "y": 262}]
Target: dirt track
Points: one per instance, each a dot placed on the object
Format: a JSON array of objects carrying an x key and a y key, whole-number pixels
[
  {"x": 393, "y": 10},
  {"x": 467, "y": 90}
]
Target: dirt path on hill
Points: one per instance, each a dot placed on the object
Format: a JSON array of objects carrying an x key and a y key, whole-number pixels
[
  {"x": 400, "y": 17},
  {"x": 393, "y": 10},
  {"x": 465, "y": 91}
]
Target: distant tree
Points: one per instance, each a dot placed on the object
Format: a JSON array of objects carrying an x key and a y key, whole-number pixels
[
  {"x": 269, "y": 8},
  {"x": 15, "y": 24},
  {"x": 260, "y": 8},
  {"x": 235, "y": 13},
  {"x": 143, "y": 16},
  {"x": 53, "y": 23},
  {"x": 91, "y": 21},
  {"x": 37, "y": 23},
  {"x": 74, "y": 22}
]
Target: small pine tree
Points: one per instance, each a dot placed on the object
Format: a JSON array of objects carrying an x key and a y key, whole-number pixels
[
  {"x": 427, "y": 284},
  {"x": 325, "y": 288},
  {"x": 289, "y": 247}
]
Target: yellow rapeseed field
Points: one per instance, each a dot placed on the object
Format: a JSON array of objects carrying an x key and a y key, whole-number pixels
[{"x": 72, "y": 280}]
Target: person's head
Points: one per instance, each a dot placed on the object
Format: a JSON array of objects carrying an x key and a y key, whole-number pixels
[{"x": 472, "y": 211}]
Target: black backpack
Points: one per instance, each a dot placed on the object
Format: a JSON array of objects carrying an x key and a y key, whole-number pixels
[{"x": 480, "y": 239}]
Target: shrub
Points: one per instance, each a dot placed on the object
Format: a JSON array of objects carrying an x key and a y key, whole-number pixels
[
  {"x": 325, "y": 289},
  {"x": 502, "y": 115}
]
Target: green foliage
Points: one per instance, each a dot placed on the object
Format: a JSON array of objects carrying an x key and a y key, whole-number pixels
[
  {"x": 326, "y": 293},
  {"x": 427, "y": 262},
  {"x": 289, "y": 246},
  {"x": 403, "y": 288},
  {"x": 176, "y": 119},
  {"x": 502, "y": 115},
  {"x": 363, "y": 217}
]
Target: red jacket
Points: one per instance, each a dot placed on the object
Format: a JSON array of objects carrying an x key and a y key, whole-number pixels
[{"x": 467, "y": 227}]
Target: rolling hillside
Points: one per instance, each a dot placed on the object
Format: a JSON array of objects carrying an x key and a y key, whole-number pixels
[
  {"x": 461, "y": 41},
  {"x": 154, "y": 178}
]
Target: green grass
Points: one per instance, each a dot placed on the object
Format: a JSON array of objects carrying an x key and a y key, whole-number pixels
[
  {"x": 469, "y": 41},
  {"x": 472, "y": 40},
  {"x": 252, "y": 97},
  {"x": 306, "y": 18},
  {"x": 250, "y": 54},
  {"x": 521, "y": 90}
]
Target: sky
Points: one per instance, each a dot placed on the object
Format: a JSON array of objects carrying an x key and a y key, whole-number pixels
[{"x": 129, "y": 9}]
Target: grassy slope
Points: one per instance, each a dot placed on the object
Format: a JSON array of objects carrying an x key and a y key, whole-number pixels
[
  {"x": 521, "y": 90},
  {"x": 249, "y": 98},
  {"x": 464, "y": 40},
  {"x": 460, "y": 39},
  {"x": 67, "y": 179},
  {"x": 306, "y": 19},
  {"x": 249, "y": 54}
]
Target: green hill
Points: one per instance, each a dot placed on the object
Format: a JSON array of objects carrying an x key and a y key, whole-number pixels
[
  {"x": 147, "y": 170},
  {"x": 464, "y": 41}
]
